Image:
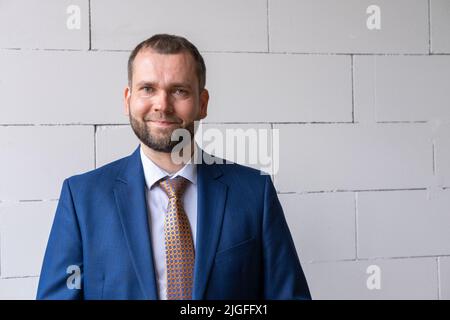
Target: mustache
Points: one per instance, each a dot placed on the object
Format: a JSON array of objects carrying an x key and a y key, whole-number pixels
[{"x": 161, "y": 118}]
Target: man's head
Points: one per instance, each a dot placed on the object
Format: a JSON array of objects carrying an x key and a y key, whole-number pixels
[{"x": 166, "y": 90}]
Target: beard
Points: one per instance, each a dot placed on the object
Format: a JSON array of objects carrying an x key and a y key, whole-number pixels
[{"x": 161, "y": 141}]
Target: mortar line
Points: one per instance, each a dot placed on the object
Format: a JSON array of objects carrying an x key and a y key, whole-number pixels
[
  {"x": 19, "y": 277},
  {"x": 429, "y": 27},
  {"x": 355, "y": 190},
  {"x": 374, "y": 115},
  {"x": 353, "y": 87},
  {"x": 268, "y": 24},
  {"x": 247, "y": 52},
  {"x": 90, "y": 26},
  {"x": 19, "y": 201},
  {"x": 60, "y": 124},
  {"x": 434, "y": 157},
  {"x": 1, "y": 271},
  {"x": 272, "y": 153},
  {"x": 404, "y": 121},
  {"x": 356, "y": 224},
  {"x": 279, "y": 122},
  {"x": 438, "y": 259},
  {"x": 95, "y": 146},
  {"x": 379, "y": 259}
]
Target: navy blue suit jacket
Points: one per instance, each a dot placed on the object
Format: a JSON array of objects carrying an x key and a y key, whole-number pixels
[{"x": 244, "y": 248}]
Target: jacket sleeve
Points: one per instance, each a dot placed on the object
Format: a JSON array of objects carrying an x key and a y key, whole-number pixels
[
  {"x": 283, "y": 274},
  {"x": 62, "y": 269}
]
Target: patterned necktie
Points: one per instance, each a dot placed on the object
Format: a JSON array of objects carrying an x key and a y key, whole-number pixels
[{"x": 178, "y": 241}]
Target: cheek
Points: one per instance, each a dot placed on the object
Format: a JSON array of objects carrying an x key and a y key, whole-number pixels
[
  {"x": 139, "y": 107},
  {"x": 188, "y": 111}
]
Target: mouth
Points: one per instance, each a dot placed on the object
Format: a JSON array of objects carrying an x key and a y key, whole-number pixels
[{"x": 164, "y": 124}]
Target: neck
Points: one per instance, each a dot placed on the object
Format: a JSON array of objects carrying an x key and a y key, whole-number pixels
[{"x": 164, "y": 159}]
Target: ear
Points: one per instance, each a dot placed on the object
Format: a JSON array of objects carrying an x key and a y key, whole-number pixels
[
  {"x": 127, "y": 97},
  {"x": 204, "y": 98}
]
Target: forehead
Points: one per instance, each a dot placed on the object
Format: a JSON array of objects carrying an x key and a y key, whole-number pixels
[{"x": 152, "y": 66}]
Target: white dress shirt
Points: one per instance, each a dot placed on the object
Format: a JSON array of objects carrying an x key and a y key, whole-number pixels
[{"x": 157, "y": 202}]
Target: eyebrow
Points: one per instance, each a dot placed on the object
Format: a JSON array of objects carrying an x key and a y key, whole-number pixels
[
  {"x": 153, "y": 84},
  {"x": 148, "y": 83}
]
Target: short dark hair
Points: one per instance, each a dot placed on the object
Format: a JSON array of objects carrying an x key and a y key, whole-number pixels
[{"x": 170, "y": 44}]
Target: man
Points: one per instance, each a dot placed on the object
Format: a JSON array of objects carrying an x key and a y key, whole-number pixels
[{"x": 149, "y": 227}]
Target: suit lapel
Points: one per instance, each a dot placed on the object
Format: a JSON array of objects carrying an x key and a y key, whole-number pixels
[
  {"x": 210, "y": 210},
  {"x": 129, "y": 193}
]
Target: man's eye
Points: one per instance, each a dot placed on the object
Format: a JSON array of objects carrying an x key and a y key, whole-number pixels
[
  {"x": 147, "y": 89},
  {"x": 181, "y": 92}
]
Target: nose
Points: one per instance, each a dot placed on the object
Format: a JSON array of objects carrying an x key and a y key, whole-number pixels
[{"x": 162, "y": 102}]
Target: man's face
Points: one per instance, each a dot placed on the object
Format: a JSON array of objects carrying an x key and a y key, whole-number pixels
[{"x": 164, "y": 96}]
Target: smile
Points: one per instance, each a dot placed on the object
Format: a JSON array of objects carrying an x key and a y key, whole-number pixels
[{"x": 163, "y": 124}]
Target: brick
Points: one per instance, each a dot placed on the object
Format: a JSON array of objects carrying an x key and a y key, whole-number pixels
[
  {"x": 18, "y": 288},
  {"x": 114, "y": 142},
  {"x": 333, "y": 26},
  {"x": 444, "y": 277},
  {"x": 325, "y": 157},
  {"x": 401, "y": 88},
  {"x": 322, "y": 225},
  {"x": 62, "y": 87},
  {"x": 440, "y": 26},
  {"x": 24, "y": 231},
  {"x": 403, "y": 223},
  {"x": 42, "y": 24},
  {"x": 408, "y": 279},
  {"x": 211, "y": 25},
  {"x": 442, "y": 153},
  {"x": 278, "y": 88},
  {"x": 34, "y": 160}
]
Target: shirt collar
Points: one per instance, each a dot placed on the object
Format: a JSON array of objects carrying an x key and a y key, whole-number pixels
[{"x": 153, "y": 173}]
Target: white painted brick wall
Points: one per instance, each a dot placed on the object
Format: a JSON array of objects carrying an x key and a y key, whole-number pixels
[
  {"x": 402, "y": 88},
  {"x": 35, "y": 24},
  {"x": 61, "y": 87},
  {"x": 323, "y": 223},
  {"x": 363, "y": 117},
  {"x": 18, "y": 288},
  {"x": 403, "y": 223},
  {"x": 336, "y": 26},
  {"x": 440, "y": 26},
  {"x": 411, "y": 278},
  {"x": 354, "y": 157},
  {"x": 442, "y": 154},
  {"x": 279, "y": 88},
  {"x": 114, "y": 142},
  {"x": 444, "y": 277},
  {"x": 24, "y": 228},
  {"x": 231, "y": 25},
  {"x": 35, "y": 160}
]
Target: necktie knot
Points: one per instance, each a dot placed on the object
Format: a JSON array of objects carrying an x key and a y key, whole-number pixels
[{"x": 174, "y": 188}]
